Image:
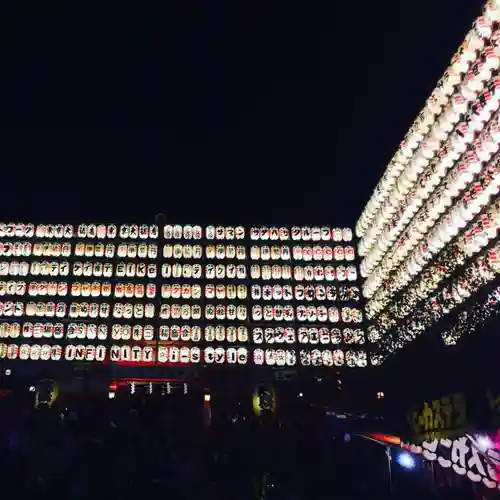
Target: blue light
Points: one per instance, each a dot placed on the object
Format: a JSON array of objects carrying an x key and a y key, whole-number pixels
[{"x": 406, "y": 460}]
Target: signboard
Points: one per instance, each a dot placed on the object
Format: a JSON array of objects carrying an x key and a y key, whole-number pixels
[
  {"x": 465, "y": 456},
  {"x": 453, "y": 415}
]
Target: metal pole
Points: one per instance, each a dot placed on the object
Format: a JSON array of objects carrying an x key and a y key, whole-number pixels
[{"x": 389, "y": 460}]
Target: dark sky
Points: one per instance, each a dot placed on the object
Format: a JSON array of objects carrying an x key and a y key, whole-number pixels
[{"x": 231, "y": 111}]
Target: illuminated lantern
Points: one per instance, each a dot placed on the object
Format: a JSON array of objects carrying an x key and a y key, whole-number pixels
[
  {"x": 264, "y": 233},
  {"x": 89, "y": 353},
  {"x": 124, "y": 231},
  {"x": 168, "y": 232},
  {"x": 185, "y": 355},
  {"x": 182, "y": 290},
  {"x": 231, "y": 312},
  {"x": 164, "y": 332},
  {"x": 254, "y": 233},
  {"x": 35, "y": 352},
  {"x": 220, "y": 355},
  {"x": 338, "y": 253},
  {"x": 177, "y": 232},
  {"x": 230, "y": 252},
  {"x": 231, "y": 355},
  {"x": 349, "y": 253},
  {"x": 24, "y": 351},
  {"x": 220, "y": 311},
  {"x": 29, "y": 231},
  {"x": 307, "y": 254},
  {"x": 306, "y": 233},
  {"x": 126, "y": 332},
  {"x": 220, "y": 233},
  {"x": 197, "y": 232},
  {"x": 241, "y": 312},
  {"x": 301, "y": 313},
  {"x": 187, "y": 232},
  {"x": 296, "y": 233},
  {"x": 220, "y": 252},
  {"x": 351, "y": 272},
  {"x": 270, "y": 357},
  {"x": 79, "y": 249},
  {"x": 195, "y": 355},
  {"x": 209, "y": 355},
  {"x": 112, "y": 231},
  {"x": 258, "y": 335},
  {"x": 241, "y": 272},
  {"x": 210, "y": 232},
  {"x": 268, "y": 313},
  {"x": 136, "y": 354},
  {"x": 281, "y": 272},
  {"x": 55, "y": 352},
  {"x": 114, "y": 353},
  {"x": 209, "y": 311},
  {"x": 303, "y": 335},
  {"x": 69, "y": 352}
]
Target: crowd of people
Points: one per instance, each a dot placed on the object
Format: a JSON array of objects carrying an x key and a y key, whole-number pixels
[{"x": 147, "y": 448}]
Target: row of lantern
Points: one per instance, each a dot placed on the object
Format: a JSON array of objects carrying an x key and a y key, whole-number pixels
[
  {"x": 142, "y": 270},
  {"x": 187, "y": 291},
  {"x": 226, "y": 252},
  {"x": 475, "y": 316},
  {"x": 311, "y": 313},
  {"x": 405, "y": 202},
  {"x": 469, "y": 205},
  {"x": 212, "y": 333},
  {"x": 209, "y": 355},
  {"x": 212, "y": 311},
  {"x": 143, "y": 251},
  {"x": 483, "y": 270},
  {"x": 46, "y": 352},
  {"x": 93, "y": 331},
  {"x": 35, "y": 268},
  {"x": 481, "y": 110},
  {"x": 111, "y": 231},
  {"x": 185, "y": 251},
  {"x": 483, "y": 230},
  {"x": 457, "y": 179},
  {"x": 176, "y": 291},
  {"x": 67, "y": 231},
  {"x": 303, "y": 273},
  {"x": 185, "y": 333},
  {"x": 123, "y": 250},
  {"x": 26, "y": 249},
  {"x": 32, "y": 330},
  {"x": 307, "y": 292},
  {"x": 438, "y": 106},
  {"x": 330, "y": 336},
  {"x": 471, "y": 241},
  {"x": 307, "y": 254},
  {"x": 308, "y": 335},
  {"x": 305, "y": 233},
  {"x": 174, "y": 354},
  {"x": 219, "y": 271},
  {"x": 21, "y": 230},
  {"x": 317, "y": 357}
]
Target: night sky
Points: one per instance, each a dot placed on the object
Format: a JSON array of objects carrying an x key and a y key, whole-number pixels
[{"x": 224, "y": 112}]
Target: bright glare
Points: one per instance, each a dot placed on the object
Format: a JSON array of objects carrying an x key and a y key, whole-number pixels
[
  {"x": 111, "y": 395},
  {"x": 207, "y": 398},
  {"x": 406, "y": 460},
  {"x": 301, "y": 394},
  {"x": 8, "y": 372},
  {"x": 484, "y": 442}
]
